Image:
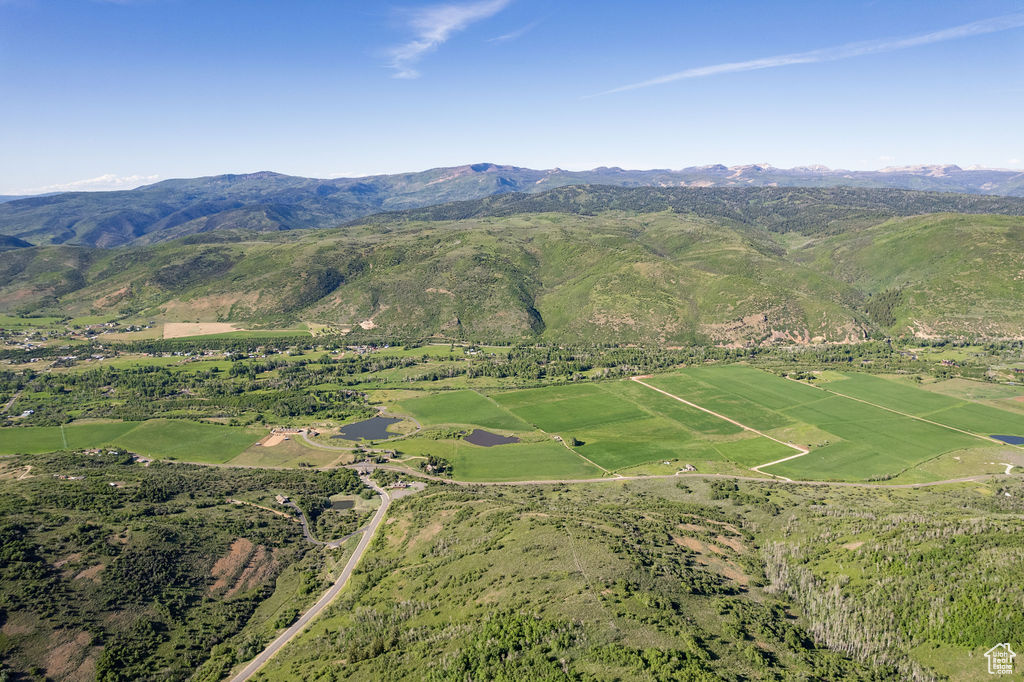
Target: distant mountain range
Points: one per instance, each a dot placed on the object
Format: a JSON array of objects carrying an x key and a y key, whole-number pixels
[{"x": 271, "y": 201}]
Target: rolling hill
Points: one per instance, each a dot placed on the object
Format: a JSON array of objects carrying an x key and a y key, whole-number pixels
[
  {"x": 271, "y": 201},
  {"x": 745, "y": 266}
]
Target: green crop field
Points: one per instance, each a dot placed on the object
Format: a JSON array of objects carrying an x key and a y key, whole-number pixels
[
  {"x": 865, "y": 441},
  {"x": 960, "y": 414},
  {"x": 461, "y": 407},
  {"x": 712, "y": 389},
  {"x": 162, "y": 438},
  {"x": 623, "y": 424},
  {"x": 569, "y": 408},
  {"x": 751, "y": 452},
  {"x": 530, "y": 461},
  {"x": 189, "y": 441},
  {"x": 32, "y": 440}
]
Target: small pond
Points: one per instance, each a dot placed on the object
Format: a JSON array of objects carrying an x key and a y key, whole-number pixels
[
  {"x": 1012, "y": 440},
  {"x": 487, "y": 439},
  {"x": 342, "y": 504},
  {"x": 370, "y": 429}
]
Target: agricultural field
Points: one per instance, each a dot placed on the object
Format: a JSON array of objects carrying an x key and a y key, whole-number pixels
[
  {"x": 855, "y": 426},
  {"x": 160, "y": 438},
  {"x": 958, "y": 413},
  {"x": 619, "y": 425},
  {"x": 462, "y": 408},
  {"x": 615, "y": 425},
  {"x": 858, "y": 434}
]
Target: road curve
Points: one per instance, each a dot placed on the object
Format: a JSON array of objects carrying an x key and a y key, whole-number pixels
[{"x": 255, "y": 664}]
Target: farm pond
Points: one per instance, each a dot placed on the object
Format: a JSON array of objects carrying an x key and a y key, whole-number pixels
[
  {"x": 375, "y": 428},
  {"x": 1012, "y": 440},
  {"x": 487, "y": 439}
]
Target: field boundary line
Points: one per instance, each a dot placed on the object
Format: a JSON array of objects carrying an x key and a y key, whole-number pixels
[
  {"x": 987, "y": 439},
  {"x": 585, "y": 459},
  {"x": 800, "y": 451},
  {"x": 554, "y": 436}
]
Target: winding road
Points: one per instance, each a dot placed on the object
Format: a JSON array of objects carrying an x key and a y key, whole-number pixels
[{"x": 255, "y": 664}]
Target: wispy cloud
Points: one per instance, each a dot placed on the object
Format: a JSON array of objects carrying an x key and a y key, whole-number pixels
[
  {"x": 513, "y": 35},
  {"x": 831, "y": 54},
  {"x": 432, "y": 27},
  {"x": 102, "y": 182}
]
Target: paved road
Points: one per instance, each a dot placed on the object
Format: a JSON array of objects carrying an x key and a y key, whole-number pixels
[
  {"x": 648, "y": 477},
  {"x": 327, "y": 597}
]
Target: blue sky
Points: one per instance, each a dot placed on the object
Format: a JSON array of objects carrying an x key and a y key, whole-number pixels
[{"x": 100, "y": 94}]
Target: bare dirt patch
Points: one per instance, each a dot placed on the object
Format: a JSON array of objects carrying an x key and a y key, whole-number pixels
[
  {"x": 19, "y": 624},
  {"x": 67, "y": 658},
  {"x": 67, "y": 560},
  {"x": 91, "y": 573},
  {"x": 262, "y": 565},
  {"x": 176, "y": 330},
  {"x": 427, "y": 533},
  {"x": 244, "y": 566},
  {"x": 692, "y": 527},
  {"x": 111, "y": 298},
  {"x": 274, "y": 439},
  {"x": 854, "y": 545},
  {"x": 722, "y": 524},
  {"x": 732, "y": 543},
  {"x": 734, "y": 574},
  {"x": 691, "y": 544},
  {"x": 229, "y": 565}
]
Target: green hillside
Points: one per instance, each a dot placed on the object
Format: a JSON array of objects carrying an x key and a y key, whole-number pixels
[
  {"x": 596, "y": 264},
  {"x": 934, "y": 275}
]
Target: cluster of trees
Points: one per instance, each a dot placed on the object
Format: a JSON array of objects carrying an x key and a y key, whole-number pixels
[
  {"x": 147, "y": 391},
  {"x": 151, "y": 542},
  {"x": 942, "y": 570}
]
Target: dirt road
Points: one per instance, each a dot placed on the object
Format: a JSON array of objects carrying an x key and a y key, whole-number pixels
[{"x": 800, "y": 452}]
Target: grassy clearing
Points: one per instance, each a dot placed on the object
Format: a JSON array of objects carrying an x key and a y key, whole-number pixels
[
  {"x": 522, "y": 461},
  {"x": 289, "y": 453},
  {"x": 461, "y": 407},
  {"x": 189, "y": 441},
  {"x": 32, "y": 440}
]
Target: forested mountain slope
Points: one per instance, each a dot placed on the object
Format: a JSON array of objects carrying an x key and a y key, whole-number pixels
[{"x": 603, "y": 264}]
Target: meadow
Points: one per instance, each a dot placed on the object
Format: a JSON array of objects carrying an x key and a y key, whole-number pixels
[
  {"x": 620, "y": 425},
  {"x": 160, "y": 438},
  {"x": 461, "y": 407},
  {"x": 862, "y": 440}
]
